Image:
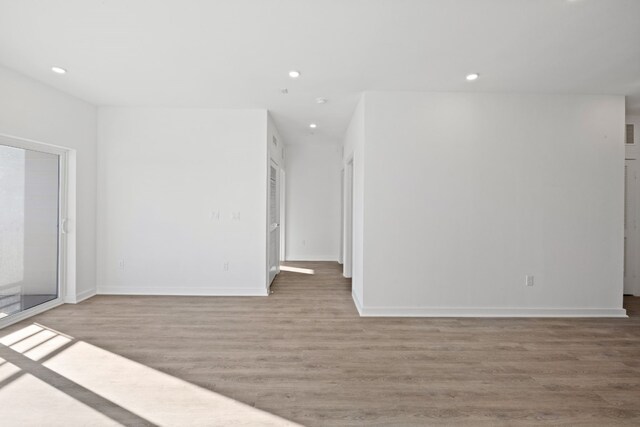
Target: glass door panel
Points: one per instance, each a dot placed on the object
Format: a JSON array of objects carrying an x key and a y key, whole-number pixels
[{"x": 29, "y": 232}]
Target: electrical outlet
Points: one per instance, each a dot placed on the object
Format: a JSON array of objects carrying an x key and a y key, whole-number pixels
[
  {"x": 215, "y": 215},
  {"x": 121, "y": 264},
  {"x": 225, "y": 266},
  {"x": 235, "y": 216},
  {"x": 529, "y": 280}
]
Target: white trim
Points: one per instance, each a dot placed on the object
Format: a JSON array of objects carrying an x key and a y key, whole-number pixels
[
  {"x": 64, "y": 287},
  {"x": 341, "y": 249},
  {"x": 331, "y": 258},
  {"x": 30, "y": 144},
  {"x": 84, "y": 295},
  {"x": 181, "y": 291},
  {"x": 487, "y": 312},
  {"x": 348, "y": 197},
  {"x": 70, "y": 236},
  {"x": 38, "y": 309},
  {"x": 283, "y": 214},
  {"x": 272, "y": 162},
  {"x": 357, "y": 303}
]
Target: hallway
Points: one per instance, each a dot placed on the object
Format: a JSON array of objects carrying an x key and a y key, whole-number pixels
[{"x": 304, "y": 355}]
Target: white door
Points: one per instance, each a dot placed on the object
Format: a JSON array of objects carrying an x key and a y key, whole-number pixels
[
  {"x": 274, "y": 221},
  {"x": 631, "y": 191}
]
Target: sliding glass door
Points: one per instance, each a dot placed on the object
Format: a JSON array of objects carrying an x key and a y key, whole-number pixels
[{"x": 30, "y": 232}]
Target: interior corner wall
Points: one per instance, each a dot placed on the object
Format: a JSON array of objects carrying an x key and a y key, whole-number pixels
[
  {"x": 35, "y": 111},
  {"x": 467, "y": 193},
  {"x": 182, "y": 201},
  {"x": 313, "y": 202},
  {"x": 354, "y": 150}
]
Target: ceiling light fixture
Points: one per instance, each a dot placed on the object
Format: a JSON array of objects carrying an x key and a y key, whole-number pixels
[
  {"x": 321, "y": 100},
  {"x": 58, "y": 70},
  {"x": 313, "y": 125},
  {"x": 294, "y": 74},
  {"x": 473, "y": 76}
]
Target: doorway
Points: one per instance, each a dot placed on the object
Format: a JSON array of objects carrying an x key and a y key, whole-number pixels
[
  {"x": 631, "y": 244},
  {"x": 32, "y": 228},
  {"x": 283, "y": 210},
  {"x": 274, "y": 222},
  {"x": 347, "y": 266},
  {"x": 341, "y": 252}
]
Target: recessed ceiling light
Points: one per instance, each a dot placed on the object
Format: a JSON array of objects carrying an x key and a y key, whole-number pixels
[
  {"x": 313, "y": 125},
  {"x": 58, "y": 70},
  {"x": 294, "y": 74},
  {"x": 321, "y": 100},
  {"x": 473, "y": 76}
]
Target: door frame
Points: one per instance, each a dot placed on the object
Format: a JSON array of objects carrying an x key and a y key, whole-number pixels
[
  {"x": 66, "y": 233},
  {"x": 283, "y": 215},
  {"x": 272, "y": 163},
  {"x": 341, "y": 250},
  {"x": 632, "y": 235},
  {"x": 347, "y": 220}
]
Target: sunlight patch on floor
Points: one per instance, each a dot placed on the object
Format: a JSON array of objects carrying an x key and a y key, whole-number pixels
[
  {"x": 47, "y": 347},
  {"x": 28, "y": 401},
  {"x": 7, "y": 370},
  {"x": 297, "y": 269},
  {"x": 20, "y": 334},
  {"x": 33, "y": 341},
  {"x": 157, "y": 397}
]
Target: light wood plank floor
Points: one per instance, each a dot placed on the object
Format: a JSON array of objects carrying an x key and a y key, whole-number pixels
[{"x": 305, "y": 355}]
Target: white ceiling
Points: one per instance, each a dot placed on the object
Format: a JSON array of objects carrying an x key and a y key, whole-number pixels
[{"x": 237, "y": 53}]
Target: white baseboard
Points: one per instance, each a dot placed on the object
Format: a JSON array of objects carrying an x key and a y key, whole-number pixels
[
  {"x": 190, "y": 291},
  {"x": 486, "y": 312},
  {"x": 332, "y": 258},
  {"x": 85, "y": 295},
  {"x": 357, "y": 302}
]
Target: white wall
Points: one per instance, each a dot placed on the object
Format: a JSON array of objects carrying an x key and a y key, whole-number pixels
[
  {"x": 32, "y": 110},
  {"x": 313, "y": 202},
  {"x": 169, "y": 183},
  {"x": 465, "y": 194},
  {"x": 354, "y": 149}
]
